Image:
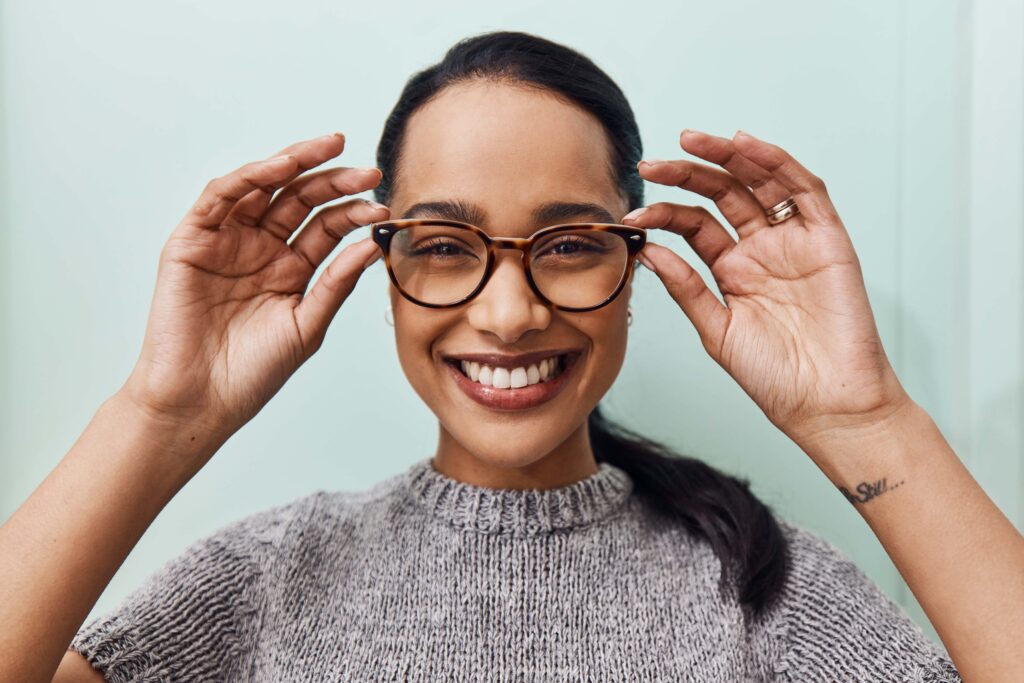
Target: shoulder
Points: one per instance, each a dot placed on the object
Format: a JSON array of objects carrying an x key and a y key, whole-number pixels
[
  {"x": 816, "y": 564},
  {"x": 831, "y": 620},
  {"x": 334, "y": 519},
  {"x": 253, "y": 538},
  {"x": 199, "y": 611},
  {"x": 306, "y": 514}
]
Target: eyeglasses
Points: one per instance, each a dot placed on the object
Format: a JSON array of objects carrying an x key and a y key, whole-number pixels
[{"x": 573, "y": 267}]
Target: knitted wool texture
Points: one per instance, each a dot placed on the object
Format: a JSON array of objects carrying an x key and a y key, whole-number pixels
[{"x": 425, "y": 578}]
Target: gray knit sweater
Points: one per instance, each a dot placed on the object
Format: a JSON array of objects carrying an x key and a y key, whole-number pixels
[{"x": 424, "y": 578}]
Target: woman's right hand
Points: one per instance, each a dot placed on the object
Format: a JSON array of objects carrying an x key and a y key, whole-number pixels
[{"x": 230, "y": 319}]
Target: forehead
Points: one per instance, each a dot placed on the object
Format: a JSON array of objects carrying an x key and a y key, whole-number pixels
[{"x": 506, "y": 149}]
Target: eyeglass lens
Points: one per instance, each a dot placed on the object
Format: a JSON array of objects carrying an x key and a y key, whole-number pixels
[{"x": 440, "y": 264}]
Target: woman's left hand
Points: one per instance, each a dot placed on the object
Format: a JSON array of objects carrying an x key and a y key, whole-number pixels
[{"x": 796, "y": 331}]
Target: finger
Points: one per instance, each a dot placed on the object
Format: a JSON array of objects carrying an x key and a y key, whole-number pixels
[
  {"x": 705, "y": 235},
  {"x": 221, "y": 194},
  {"x": 321, "y": 235},
  {"x": 319, "y": 306},
  {"x": 722, "y": 151},
  {"x": 684, "y": 284},
  {"x": 734, "y": 199},
  {"x": 309, "y": 154},
  {"x": 295, "y": 202},
  {"x": 807, "y": 189}
]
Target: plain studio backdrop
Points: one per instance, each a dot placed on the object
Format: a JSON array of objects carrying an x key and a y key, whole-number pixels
[{"x": 115, "y": 115}]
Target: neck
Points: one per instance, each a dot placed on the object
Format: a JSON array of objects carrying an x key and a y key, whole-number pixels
[{"x": 569, "y": 462}]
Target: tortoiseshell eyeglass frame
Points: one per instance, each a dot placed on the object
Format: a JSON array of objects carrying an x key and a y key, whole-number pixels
[{"x": 635, "y": 238}]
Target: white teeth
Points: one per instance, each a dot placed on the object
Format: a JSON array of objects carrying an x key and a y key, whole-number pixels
[
  {"x": 532, "y": 375},
  {"x": 518, "y": 378},
  {"x": 501, "y": 379},
  {"x": 511, "y": 378}
]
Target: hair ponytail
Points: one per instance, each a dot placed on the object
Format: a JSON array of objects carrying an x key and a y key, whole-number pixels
[{"x": 711, "y": 505}]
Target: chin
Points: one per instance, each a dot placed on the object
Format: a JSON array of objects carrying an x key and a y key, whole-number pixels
[{"x": 508, "y": 447}]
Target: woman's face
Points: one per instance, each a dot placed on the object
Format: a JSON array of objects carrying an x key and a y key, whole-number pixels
[{"x": 502, "y": 152}]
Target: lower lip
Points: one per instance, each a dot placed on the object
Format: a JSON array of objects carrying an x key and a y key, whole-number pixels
[{"x": 514, "y": 399}]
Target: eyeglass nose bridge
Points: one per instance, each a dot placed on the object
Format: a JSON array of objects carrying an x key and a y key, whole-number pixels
[{"x": 520, "y": 243}]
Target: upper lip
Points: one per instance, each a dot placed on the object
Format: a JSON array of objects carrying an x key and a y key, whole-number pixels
[{"x": 505, "y": 360}]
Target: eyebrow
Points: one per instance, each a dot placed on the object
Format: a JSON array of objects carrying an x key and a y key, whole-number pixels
[{"x": 547, "y": 214}]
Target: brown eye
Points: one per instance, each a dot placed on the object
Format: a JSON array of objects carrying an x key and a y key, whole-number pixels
[{"x": 437, "y": 248}]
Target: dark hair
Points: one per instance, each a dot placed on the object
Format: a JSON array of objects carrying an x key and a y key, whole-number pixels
[{"x": 710, "y": 504}]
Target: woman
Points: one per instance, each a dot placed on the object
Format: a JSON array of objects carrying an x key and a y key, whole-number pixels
[{"x": 540, "y": 542}]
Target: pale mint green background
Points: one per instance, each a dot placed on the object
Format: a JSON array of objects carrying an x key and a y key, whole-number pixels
[{"x": 115, "y": 115}]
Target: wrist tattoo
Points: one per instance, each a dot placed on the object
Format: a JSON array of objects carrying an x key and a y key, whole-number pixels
[{"x": 868, "y": 490}]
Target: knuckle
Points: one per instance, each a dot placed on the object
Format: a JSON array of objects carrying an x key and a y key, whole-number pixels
[
  {"x": 758, "y": 183},
  {"x": 659, "y": 210},
  {"x": 329, "y": 278},
  {"x": 703, "y": 215},
  {"x": 816, "y": 183},
  {"x": 215, "y": 190},
  {"x": 675, "y": 281},
  {"x": 346, "y": 182},
  {"x": 731, "y": 187},
  {"x": 682, "y": 173},
  {"x": 301, "y": 195},
  {"x": 314, "y": 344},
  {"x": 328, "y": 228},
  {"x": 667, "y": 215},
  {"x": 208, "y": 195}
]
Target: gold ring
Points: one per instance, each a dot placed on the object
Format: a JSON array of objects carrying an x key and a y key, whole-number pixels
[{"x": 783, "y": 210}]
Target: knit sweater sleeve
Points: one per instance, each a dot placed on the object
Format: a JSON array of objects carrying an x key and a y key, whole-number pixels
[
  {"x": 197, "y": 617},
  {"x": 837, "y": 624}
]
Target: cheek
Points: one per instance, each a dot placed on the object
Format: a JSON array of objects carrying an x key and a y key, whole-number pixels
[
  {"x": 416, "y": 330},
  {"x": 606, "y": 330}
]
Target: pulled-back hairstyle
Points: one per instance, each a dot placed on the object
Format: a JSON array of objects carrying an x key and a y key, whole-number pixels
[{"x": 712, "y": 505}]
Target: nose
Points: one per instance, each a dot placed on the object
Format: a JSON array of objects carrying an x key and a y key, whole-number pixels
[{"x": 507, "y": 307}]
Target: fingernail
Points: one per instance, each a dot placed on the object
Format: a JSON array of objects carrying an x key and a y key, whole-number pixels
[
  {"x": 635, "y": 213},
  {"x": 652, "y": 162},
  {"x": 371, "y": 169},
  {"x": 745, "y": 134},
  {"x": 374, "y": 204},
  {"x": 279, "y": 160},
  {"x": 331, "y": 135}
]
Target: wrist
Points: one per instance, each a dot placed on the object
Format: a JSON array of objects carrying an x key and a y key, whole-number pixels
[
  {"x": 846, "y": 449},
  {"x": 182, "y": 441},
  {"x": 886, "y": 409},
  {"x": 169, "y": 413}
]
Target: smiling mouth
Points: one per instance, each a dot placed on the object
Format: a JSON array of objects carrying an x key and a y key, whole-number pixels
[
  {"x": 514, "y": 388},
  {"x": 499, "y": 377}
]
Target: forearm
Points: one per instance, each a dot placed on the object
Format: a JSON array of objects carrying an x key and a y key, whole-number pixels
[
  {"x": 959, "y": 554},
  {"x": 62, "y": 546}
]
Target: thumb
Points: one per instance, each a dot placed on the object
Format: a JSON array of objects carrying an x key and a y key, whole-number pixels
[
  {"x": 685, "y": 285},
  {"x": 318, "y": 308}
]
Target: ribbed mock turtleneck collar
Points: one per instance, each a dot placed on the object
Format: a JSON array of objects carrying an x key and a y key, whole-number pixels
[{"x": 519, "y": 512}]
